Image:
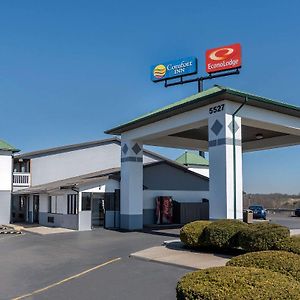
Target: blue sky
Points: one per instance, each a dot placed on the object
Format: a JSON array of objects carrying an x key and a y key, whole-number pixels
[{"x": 71, "y": 69}]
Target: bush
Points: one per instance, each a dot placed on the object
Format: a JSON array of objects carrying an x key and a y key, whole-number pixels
[
  {"x": 291, "y": 244},
  {"x": 261, "y": 236},
  {"x": 222, "y": 233},
  {"x": 191, "y": 234},
  {"x": 236, "y": 283},
  {"x": 276, "y": 261}
]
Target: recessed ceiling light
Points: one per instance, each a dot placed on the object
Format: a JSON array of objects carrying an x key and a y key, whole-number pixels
[{"x": 259, "y": 136}]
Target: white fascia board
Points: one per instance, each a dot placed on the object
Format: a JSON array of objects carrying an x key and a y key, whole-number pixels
[
  {"x": 188, "y": 120},
  {"x": 262, "y": 118}
]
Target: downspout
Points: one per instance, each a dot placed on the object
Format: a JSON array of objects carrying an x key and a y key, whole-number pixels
[{"x": 234, "y": 156}]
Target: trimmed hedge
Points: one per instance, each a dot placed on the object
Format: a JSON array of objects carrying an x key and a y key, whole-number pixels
[
  {"x": 191, "y": 233},
  {"x": 222, "y": 233},
  {"x": 277, "y": 261},
  {"x": 261, "y": 236},
  {"x": 236, "y": 283},
  {"x": 291, "y": 244},
  {"x": 236, "y": 235}
]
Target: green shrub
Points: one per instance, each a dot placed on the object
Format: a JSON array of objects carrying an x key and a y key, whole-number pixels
[
  {"x": 276, "y": 261},
  {"x": 261, "y": 236},
  {"x": 237, "y": 283},
  {"x": 191, "y": 233},
  {"x": 291, "y": 244},
  {"x": 222, "y": 233}
]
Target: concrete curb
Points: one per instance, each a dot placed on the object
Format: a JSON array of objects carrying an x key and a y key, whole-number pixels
[
  {"x": 173, "y": 253},
  {"x": 162, "y": 262}
]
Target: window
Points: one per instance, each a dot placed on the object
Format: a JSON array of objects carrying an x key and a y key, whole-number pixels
[
  {"x": 50, "y": 219},
  {"x": 72, "y": 204},
  {"x": 49, "y": 204},
  {"x": 86, "y": 201},
  {"x": 52, "y": 204}
]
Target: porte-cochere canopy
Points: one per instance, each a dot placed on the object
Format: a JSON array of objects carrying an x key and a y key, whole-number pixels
[
  {"x": 275, "y": 132},
  {"x": 221, "y": 120}
]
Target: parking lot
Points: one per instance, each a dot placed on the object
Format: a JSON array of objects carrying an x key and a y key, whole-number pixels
[
  {"x": 31, "y": 262},
  {"x": 285, "y": 219},
  {"x": 91, "y": 265}
]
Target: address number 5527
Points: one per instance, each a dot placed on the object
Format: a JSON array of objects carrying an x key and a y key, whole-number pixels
[{"x": 216, "y": 109}]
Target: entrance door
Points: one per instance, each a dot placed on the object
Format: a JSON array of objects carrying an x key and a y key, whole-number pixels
[
  {"x": 97, "y": 209},
  {"x": 36, "y": 208},
  {"x": 19, "y": 208}
]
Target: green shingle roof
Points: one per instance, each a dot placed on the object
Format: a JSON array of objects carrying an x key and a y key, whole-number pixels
[
  {"x": 7, "y": 147},
  {"x": 192, "y": 158},
  {"x": 210, "y": 96}
]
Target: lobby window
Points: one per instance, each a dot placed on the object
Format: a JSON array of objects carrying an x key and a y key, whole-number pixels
[
  {"x": 86, "y": 201},
  {"x": 72, "y": 204}
]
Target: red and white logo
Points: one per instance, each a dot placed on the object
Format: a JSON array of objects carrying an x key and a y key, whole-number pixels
[{"x": 223, "y": 58}]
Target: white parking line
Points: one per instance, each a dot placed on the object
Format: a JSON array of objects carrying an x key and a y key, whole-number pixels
[{"x": 66, "y": 279}]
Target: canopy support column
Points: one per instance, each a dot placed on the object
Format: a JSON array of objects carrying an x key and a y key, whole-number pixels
[
  {"x": 131, "y": 206},
  {"x": 222, "y": 166}
]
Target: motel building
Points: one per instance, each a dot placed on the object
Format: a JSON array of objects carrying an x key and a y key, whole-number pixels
[
  {"x": 117, "y": 183},
  {"x": 78, "y": 186}
]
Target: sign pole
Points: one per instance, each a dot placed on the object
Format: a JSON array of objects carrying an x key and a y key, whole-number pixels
[{"x": 200, "y": 85}]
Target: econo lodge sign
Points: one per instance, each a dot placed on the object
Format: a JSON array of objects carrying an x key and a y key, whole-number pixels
[{"x": 223, "y": 58}]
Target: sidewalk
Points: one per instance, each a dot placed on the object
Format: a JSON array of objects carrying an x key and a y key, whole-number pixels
[
  {"x": 38, "y": 229},
  {"x": 173, "y": 253}
]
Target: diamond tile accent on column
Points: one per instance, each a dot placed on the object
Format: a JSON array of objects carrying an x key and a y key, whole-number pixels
[
  {"x": 125, "y": 149},
  {"x": 217, "y": 127},
  {"x": 230, "y": 126},
  {"x": 136, "y": 148}
]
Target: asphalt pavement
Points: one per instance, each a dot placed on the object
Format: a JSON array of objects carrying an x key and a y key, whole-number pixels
[
  {"x": 90, "y": 265},
  {"x": 285, "y": 220},
  {"x": 31, "y": 262}
]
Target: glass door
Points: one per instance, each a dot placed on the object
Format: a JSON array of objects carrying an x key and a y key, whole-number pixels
[
  {"x": 36, "y": 208},
  {"x": 97, "y": 210}
]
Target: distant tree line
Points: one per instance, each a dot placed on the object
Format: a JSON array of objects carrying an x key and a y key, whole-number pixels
[{"x": 275, "y": 200}]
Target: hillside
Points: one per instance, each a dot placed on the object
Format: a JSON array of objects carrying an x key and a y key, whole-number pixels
[{"x": 273, "y": 200}]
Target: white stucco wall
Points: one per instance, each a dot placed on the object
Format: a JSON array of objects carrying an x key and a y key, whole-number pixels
[
  {"x": 59, "y": 202},
  {"x": 179, "y": 196},
  {"x": 108, "y": 186},
  {"x": 5, "y": 171},
  {"x": 5, "y": 186},
  {"x": 78, "y": 162},
  {"x": 43, "y": 205},
  {"x": 201, "y": 170}
]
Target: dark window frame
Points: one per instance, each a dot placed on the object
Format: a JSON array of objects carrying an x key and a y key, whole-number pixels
[
  {"x": 49, "y": 204},
  {"x": 72, "y": 200}
]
